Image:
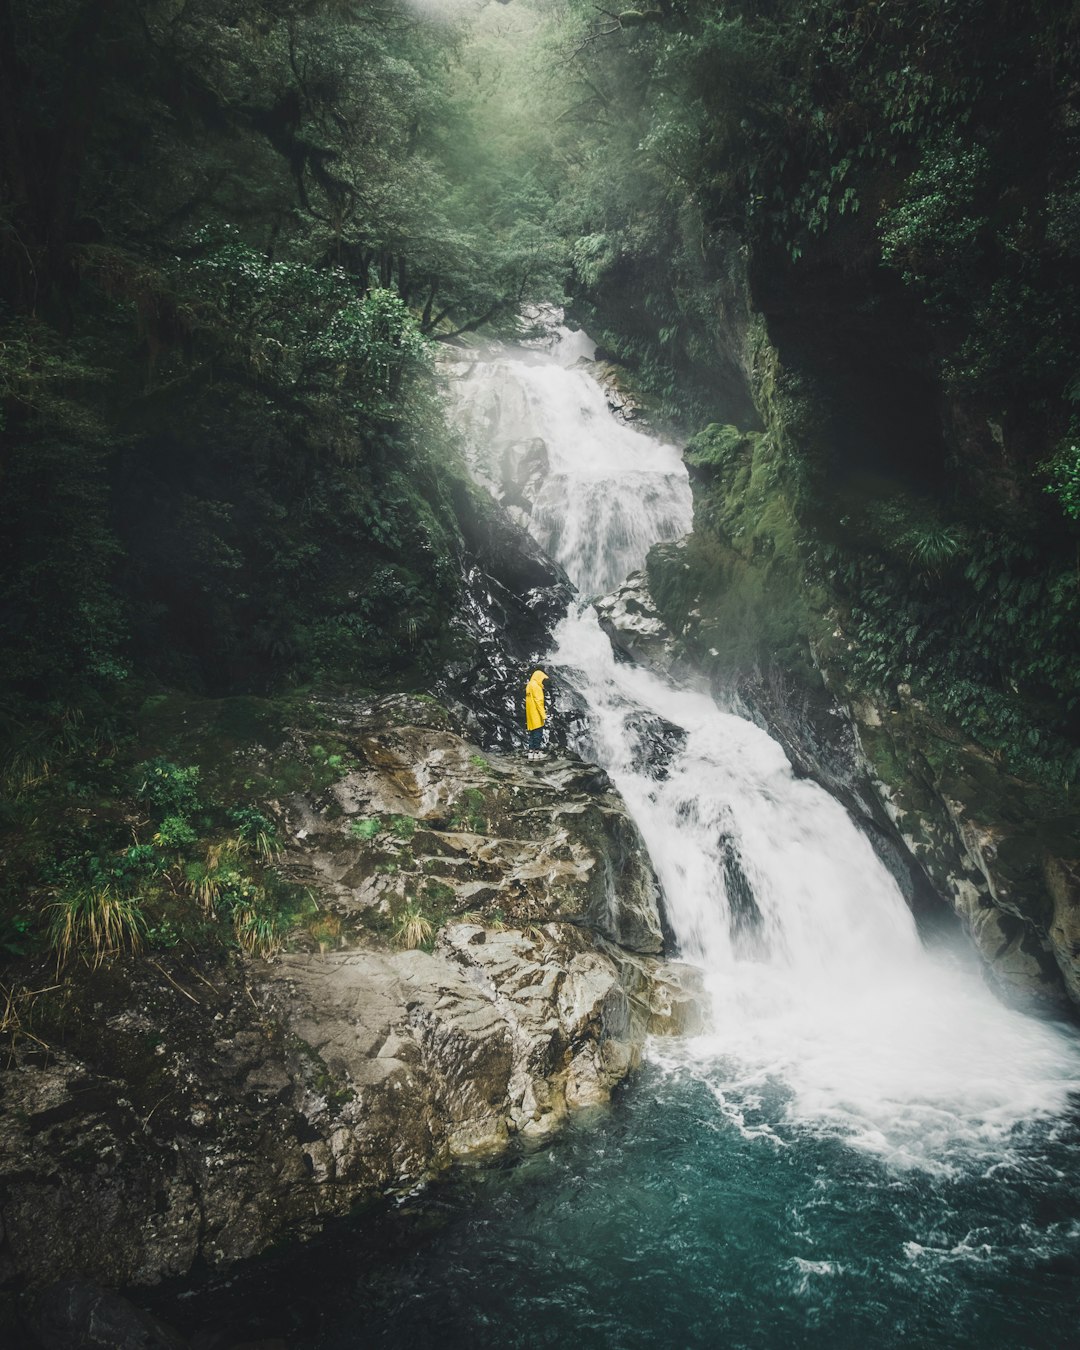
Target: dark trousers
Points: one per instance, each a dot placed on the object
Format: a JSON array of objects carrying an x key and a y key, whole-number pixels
[{"x": 536, "y": 738}]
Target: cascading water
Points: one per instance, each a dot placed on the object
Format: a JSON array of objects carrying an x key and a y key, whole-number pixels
[
  {"x": 820, "y": 985},
  {"x": 866, "y": 1149}
]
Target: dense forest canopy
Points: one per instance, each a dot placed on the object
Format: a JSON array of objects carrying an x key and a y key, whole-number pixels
[{"x": 234, "y": 235}]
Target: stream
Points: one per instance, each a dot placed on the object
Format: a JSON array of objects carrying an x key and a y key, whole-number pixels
[{"x": 865, "y": 1148}]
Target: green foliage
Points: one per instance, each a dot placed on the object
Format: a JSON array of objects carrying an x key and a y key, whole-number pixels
[
  {"x": 16, "y": 935},
  {"x": 470, "y": 812},
  {"x": 365, "y": 829},
  {"x": 167, "y": 788},
  {"x": 256, "y": 831},
  {"x": 1062, "y": 472},
  {"x": 174, "y": 833},
  {"x": 228, "y": 460},
  {"x": 931, "y": 235},
  {"x": 718, "y": 447},
  {"x": 985, "y": 634},
  {"x": 303, "y": 326}
]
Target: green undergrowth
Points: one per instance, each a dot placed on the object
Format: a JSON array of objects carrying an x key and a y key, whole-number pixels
[
  {"x": 979, "y": 622},
  {"x": 164, "y": 834},
  {"x": 896, "y": 592}
]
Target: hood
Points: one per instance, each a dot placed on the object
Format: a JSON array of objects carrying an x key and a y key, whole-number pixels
[{"x": 537, "y": 675}]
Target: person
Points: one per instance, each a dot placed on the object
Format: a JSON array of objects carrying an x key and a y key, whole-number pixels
[{"x": 535, "y": 713}]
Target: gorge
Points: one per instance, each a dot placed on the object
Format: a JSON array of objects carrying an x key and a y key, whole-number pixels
[
  {"x": 861, "y": 1128},
  {"x": 749, "y": 1013}
]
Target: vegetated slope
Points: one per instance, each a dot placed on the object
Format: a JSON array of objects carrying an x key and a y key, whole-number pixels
[
  {"x": 890, "y": 188},
  {"x": 228, "y": 237}
]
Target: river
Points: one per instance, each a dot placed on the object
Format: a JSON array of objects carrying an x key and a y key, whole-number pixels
[{"x": 865, "y": 1147}]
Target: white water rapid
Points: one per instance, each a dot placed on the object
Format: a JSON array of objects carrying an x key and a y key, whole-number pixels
[{"x": 828, "y": 1013}]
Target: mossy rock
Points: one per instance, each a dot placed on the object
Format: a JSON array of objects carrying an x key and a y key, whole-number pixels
[{"x": 719, "y": 449}]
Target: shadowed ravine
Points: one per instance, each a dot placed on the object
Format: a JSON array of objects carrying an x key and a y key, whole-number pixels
[{"x": 866, "y": 1148}]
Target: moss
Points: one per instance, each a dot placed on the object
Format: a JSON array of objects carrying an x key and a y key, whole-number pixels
[
  {"x": 738, "y": 593},
  {"x": 719, "y": 449}
]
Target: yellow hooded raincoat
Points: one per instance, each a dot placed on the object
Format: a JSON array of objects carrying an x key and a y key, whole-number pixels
[{"x": 535, "y": 715}]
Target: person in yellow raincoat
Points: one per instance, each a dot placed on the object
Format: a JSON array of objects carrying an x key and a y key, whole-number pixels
[{"x": 535, "y": 713}]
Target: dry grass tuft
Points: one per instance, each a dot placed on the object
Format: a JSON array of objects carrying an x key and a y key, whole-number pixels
[
  {"x": 413, "y": 928},
  {"x": 94, "y": 923}
]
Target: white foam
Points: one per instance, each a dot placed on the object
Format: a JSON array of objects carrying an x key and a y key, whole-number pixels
[{"x": 826, "y": 1000}]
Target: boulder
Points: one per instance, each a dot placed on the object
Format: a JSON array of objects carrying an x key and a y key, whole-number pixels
[
  {"x": 78, "y": 1315},
  {"x": 633, "y": 623}
]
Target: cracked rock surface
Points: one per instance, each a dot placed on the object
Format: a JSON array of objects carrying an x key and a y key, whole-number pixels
[{"x": 200, "y": 1108}]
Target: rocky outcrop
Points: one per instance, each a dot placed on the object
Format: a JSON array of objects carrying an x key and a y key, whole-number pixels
[
  {"x": 490, "y": 1035},
  {"x": 178, "y": 1109},
  {"x": 1003, "y": 859},
  {"x": 421, "y": 816},
  {"x": 513, "y": 594},
  {"x": 631, "y": 620}
]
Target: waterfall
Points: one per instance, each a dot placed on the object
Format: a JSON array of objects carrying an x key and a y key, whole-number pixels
[{"x": 827, "y": 1012}]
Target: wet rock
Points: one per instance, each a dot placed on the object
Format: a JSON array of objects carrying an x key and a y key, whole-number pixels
[
  {"x": 995, "y": 847},
  {"x": 78, "y": 1315},
  {"x": 1063, "y": 884},
  {"x": 523, "y": 469},
  {"x": 536, "y": 841},
  {"x": 626, "y": 403},
  {"x": 632, "y": 621},
  {"x": 513, "y": 596},
  {"x": 199, "y": 1111},
  {"x": 439, "y": 1055}
]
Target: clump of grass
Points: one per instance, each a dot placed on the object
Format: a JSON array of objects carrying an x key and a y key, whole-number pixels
[
  {"x": 930, "y": 546},
  {"x": 209, "y": 880},
  {"x": 256, "y": 832},
  {"x": 412, "y": 927},
  {"x": 403, "y": 827},
  {"x": 365, "y": 829},
  {"x": 259, "y": 930},
  {"x": 95, "y": 922}
]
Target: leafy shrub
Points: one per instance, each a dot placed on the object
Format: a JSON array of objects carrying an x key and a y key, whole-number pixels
[
  {"x": 175, "y": 833},
  {"x": 168, "y": 788},
  {"x": 717, "y": 447},
  {"x": 256, "y": 831},
  {"x": 1063, "y": 479}
]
